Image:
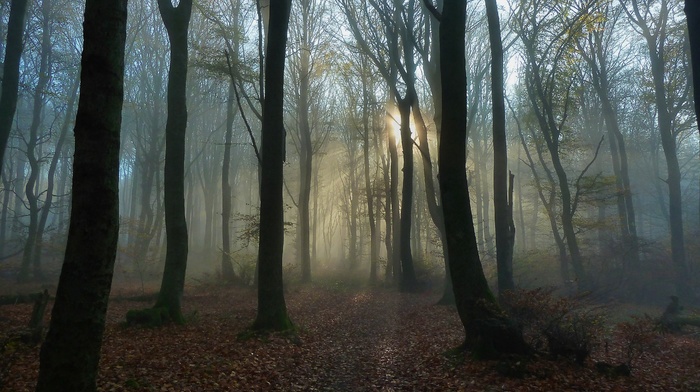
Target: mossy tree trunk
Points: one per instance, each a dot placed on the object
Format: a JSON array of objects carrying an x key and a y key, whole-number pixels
[
  {"x": 487, "y": 331},
  {"x": 176, "y": 20},
  {"x": 71, "y": 352},
  {"x": 272, "y": 309}
]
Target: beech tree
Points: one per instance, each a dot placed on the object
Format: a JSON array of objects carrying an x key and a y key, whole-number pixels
[
  {"x": 547, "y": 31},
  {"x": 486, "y": 330},
  {"x": 71, "y": 352},
  {"x": 394, "y": 56},
  {"x": 176, "y": 20},
  {"x": 272, "y": 309},
  {"x": 651, "y": 18},
  {"x": 10, "y": 71},
  {"x": 32, "y": 253},
  {"x": 692, "y": 13},
  {"x": 503, "y": 211},
  {"x": 596, "y": 48}
]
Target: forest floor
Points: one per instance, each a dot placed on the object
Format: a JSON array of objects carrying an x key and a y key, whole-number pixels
[{"x": 347, "y": 340}]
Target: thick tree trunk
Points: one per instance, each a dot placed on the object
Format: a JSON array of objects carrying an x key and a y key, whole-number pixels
[
  {"x": 71, "y": 352},
  {"x": 487, "y": 332},
  {"x": 272, "y": 309},
  {"x": 10, "y": 74},
  {"x": 692, "y": 13},
  {"x": 176, "y": 20}
]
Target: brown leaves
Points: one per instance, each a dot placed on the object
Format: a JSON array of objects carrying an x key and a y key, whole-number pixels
[{"x": 347, "y": 341}]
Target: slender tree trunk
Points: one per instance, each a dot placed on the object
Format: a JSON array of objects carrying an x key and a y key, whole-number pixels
[
  {"x": 272, "y": 309},
  {"x": 395, "y": 208},
  {"x": 432, "y": 197},
  {"x": 503, "y": 213},
  {"x": 70, "y": 355},
  {"x": 668, "y": 142},
  {"x": 388, "y": 208},
  {"x": 366, "y": 129},
  {"x": 226, "y": 263},
  {"x": 45, "y": 210},
  {"x": 176, "y": 20},
  {"x": 408, "y": 275},
  {"x": 32, "y": 252},
  {"x": 10, "y": 73},
  {"x": 305, "y": 145},
  {"x": 6, "y": 184}
]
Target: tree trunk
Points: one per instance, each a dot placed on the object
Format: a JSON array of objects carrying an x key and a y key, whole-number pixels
[
  {"x": 272, "y": 310},
  {"x": 503, "y": 213},
  {"x": 305, "y": 145},
  {"x": 176, "y": 20},
  {"x": 10, "y": 72},
  {"x": 692, "y": 14},
  {"x": 487, "y": 332},
  {"x": 668, "y": 142},
  {"x": 46, "y": 209},
  {"x": 32, "y": 252},
  {"x": 71, "y": 352},
  {"x": 366, "y": 129},
  {"x": 408, "y": 275},
  {"x": 394, "y": 202},
  {"x": 226, "y": 263}
]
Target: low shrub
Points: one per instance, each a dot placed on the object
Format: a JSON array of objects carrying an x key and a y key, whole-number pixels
[{"x": 566, "y": 327}]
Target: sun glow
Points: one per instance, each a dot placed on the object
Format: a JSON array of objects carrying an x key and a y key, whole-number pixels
[{"x": 395, "y": 127}]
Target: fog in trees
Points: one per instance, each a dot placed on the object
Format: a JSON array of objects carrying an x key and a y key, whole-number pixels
[{"x": 280, "y": 144}]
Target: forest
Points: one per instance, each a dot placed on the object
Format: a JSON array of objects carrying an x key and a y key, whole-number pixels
[{"x": 349, "y": 195}]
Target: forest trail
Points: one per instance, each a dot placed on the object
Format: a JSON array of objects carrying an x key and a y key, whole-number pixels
[
  {"x": 368, "y": 340},
  {"x": 347, "y": 340}
]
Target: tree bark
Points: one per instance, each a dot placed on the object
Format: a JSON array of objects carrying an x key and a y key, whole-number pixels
[
  {"x": 272, "y": 309},
  {"x": 227, "y": 272},
  {"x": 366, "y": 129},
  {"x": 408, "y": 274},
  {"x": 10, "y": 75},
  {"x": 487, "y": 332},
  {"x": 692, "y": 14},
  {"x": 176, "y": 20},
  {"x": 305, "y": 145},
  {"x": 503, "y": 215},
  {"x": 71, "y": 352}
]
